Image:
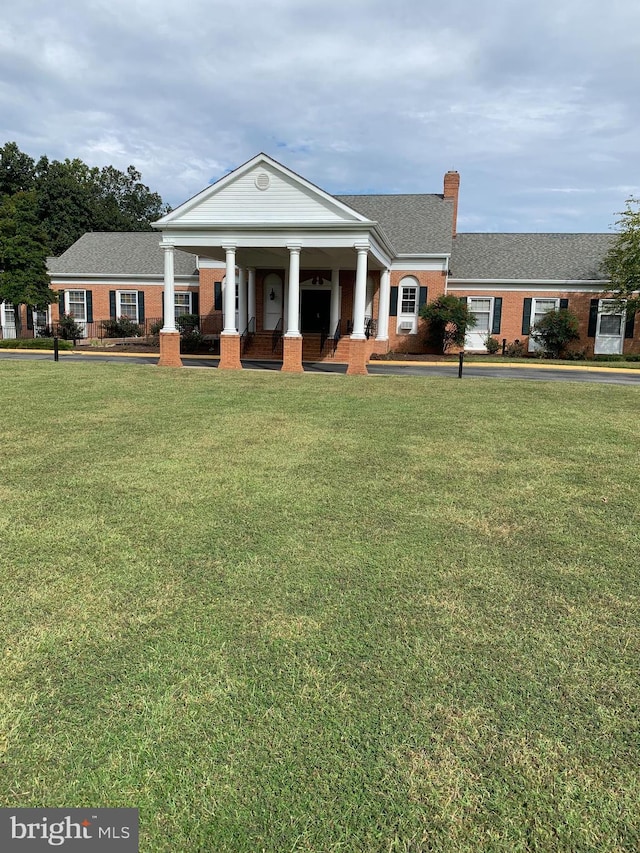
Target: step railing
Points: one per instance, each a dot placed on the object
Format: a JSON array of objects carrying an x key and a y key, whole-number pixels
[
  {"x": 247, "y": 335},
  {"x": 276, "y": 337}
]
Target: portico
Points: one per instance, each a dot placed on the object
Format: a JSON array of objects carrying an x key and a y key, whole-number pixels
[{"x": 302, "y": 262}]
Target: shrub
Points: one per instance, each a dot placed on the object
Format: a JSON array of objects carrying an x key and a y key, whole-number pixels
[
  {"x": 68, "y": 329},
  {"x": 515, "y": 349},
  {"x": 555, "y": 331},
  {"x": 492, "y": 344},
  {"x": 191, "y": 341},
  {"x": 576, "y": 354},
  {"x": 187, "y": 323},
  {"x": 448, "y": 318},
  {"x": 123, "y": 327}
]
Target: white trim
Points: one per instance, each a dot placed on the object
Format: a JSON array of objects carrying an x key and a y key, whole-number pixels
[
  {"x": 534, "y": 345},
  {"x": 501, "y": 286},
  {"x": 118, "y": 280},
  {"x": 433, "y": 264},
  {"x": 407, "y": 321},
  {"x": 471, "y": 341},
  {"x": 119, "y": 313}
]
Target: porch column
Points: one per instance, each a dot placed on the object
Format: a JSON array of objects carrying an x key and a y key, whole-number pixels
[
  {"x": 285, "y": 302},
  {"x": 229, "y": 338},
  {"x": 360, "y": 295},
  {"x": 251, "y": 293},
  {"x": 383, "y": 305},
  {"x": 292, "y": 342},
  {"x": 169, "y": 335},
  {"x": 242, "y": 300},
  {"x": 334, "y": 314}
]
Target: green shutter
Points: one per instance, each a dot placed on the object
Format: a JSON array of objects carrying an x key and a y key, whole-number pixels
[
  {"x": 195, "y": 303},
  {"x": 463, "y": 299},
  {"x": 393, "y": 302},
  {"x": 628, "y": 326},
  {"x": 29, "y": 318},
  {"x": 593, "y": 318},
  {"x": 141, "y": 306},
  {"x": 89, "y": 296},
  {"x": 497, "y": 315},
  {"x": 422, "y": 299},
  {"x": 526, "y": 317},
  {"x": 564, "y": 304},
  {"x": 61, "y": 302},
  {"x": 112, "y": 304},
  {"x": 217, "y": 298}
]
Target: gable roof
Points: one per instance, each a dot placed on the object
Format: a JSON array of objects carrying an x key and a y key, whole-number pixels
[
  {"x": 260, "y": 191},
  {"x": 530, "y": 257},
  {"x": 418, "y": 224},
  {"x": 119, "y": 253}
]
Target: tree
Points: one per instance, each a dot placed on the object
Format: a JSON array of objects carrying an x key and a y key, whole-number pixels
[
  {"x": 23, "y": 252},
  {"x": 448, "y": 318},
  {"x": 16, "y": 170},
  {"x": 622, "y": 261},
  {"x": 555, "y": 330}
]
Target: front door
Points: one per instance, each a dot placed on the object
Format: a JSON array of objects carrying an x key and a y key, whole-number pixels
[
  {"x": 609, "y": 330},
  {"x": 315, "y": 308}
]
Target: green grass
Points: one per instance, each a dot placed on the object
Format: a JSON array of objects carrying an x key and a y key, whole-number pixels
[{"x": 322, "y": 613}]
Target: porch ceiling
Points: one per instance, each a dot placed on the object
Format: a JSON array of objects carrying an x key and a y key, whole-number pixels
[{"x": 278, "y": 257}]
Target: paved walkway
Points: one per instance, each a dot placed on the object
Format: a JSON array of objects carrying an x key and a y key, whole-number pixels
[{"x": 472, "y": 370}]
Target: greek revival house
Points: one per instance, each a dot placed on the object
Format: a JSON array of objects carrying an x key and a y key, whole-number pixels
[{"x": 275, "y": 267}]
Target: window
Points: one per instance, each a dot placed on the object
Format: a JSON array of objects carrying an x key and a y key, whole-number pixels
[
  {"x": 408, "y": 300},
  {"x": 610, "y": 321},
  {"x": 182, "y": 304},
  {"x": 128, "y": 304},
  {"x": 540, "y": 307},
  {"x": 481, "y": 310},
  {"x": 77, "y": 305},
  {"x": 408, "y": 292}
]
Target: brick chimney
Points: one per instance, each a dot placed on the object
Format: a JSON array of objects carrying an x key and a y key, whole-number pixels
[{"x": 451, "y": 190}]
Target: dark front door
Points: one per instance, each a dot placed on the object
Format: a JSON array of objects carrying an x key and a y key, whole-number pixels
[{"x": 315, "y": 307}]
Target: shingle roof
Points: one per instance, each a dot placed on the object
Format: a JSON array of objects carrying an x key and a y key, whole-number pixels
[
  {"x": 575, "y": 257},
  {"x": 415, "y": 224},
  {"x": 119, "y": 252}
]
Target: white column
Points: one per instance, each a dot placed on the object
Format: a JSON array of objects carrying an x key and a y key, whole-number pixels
[
  {"x": 242, "y": 300},
  {"x": 360, "y": 295},
  {"x": 383, "y": 305},
  {"x": 293, "y": 302},
  {"x": 334, "y": 314},
  {"x": 251, "y": 293},
  {"x": 169, "y": 290},
  {"x": 229, "y": 295},
  {"x": 285, "y": 301}
]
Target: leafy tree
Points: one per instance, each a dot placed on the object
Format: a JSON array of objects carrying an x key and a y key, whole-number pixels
[
  {"x": 555, "y": 330},
  {"x": 448, "y": 318},
  {"x": 17, "y": 170},
  {"x": 622, "y": 262},
  {"x": 23, "y": 251}
]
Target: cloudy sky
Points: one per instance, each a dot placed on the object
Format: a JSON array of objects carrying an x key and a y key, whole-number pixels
[{"x": 537, "y": 105}]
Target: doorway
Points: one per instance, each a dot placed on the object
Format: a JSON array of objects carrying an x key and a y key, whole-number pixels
[{"x": 315, "y": 310}]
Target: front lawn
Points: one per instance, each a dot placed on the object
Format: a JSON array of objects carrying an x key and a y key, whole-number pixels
[{"x": 322, "y": 613}]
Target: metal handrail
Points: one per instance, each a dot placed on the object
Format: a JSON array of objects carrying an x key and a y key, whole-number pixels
[
  {"x": 248, "y": 333},
  {"x": 337, "y": 335},
  {"x": 277, "y": 335}
]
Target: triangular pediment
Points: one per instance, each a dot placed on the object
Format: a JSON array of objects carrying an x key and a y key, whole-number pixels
[{"x": 262, "y": 192}]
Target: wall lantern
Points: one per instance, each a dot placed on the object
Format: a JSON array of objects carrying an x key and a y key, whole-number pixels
[{"x": 272, "y": 295}]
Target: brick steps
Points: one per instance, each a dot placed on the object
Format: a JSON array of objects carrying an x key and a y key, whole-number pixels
[{"x": 261, "y": 346}]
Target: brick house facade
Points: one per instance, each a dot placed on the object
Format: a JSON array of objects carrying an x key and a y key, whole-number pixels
[{"x": 331, "y": 277}]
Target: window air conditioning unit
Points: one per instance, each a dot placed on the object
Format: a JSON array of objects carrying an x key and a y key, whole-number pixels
[{"x": 406, "y": 326}]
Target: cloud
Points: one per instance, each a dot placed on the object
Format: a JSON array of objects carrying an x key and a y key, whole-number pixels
[{"x": 364, "y": 96}]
